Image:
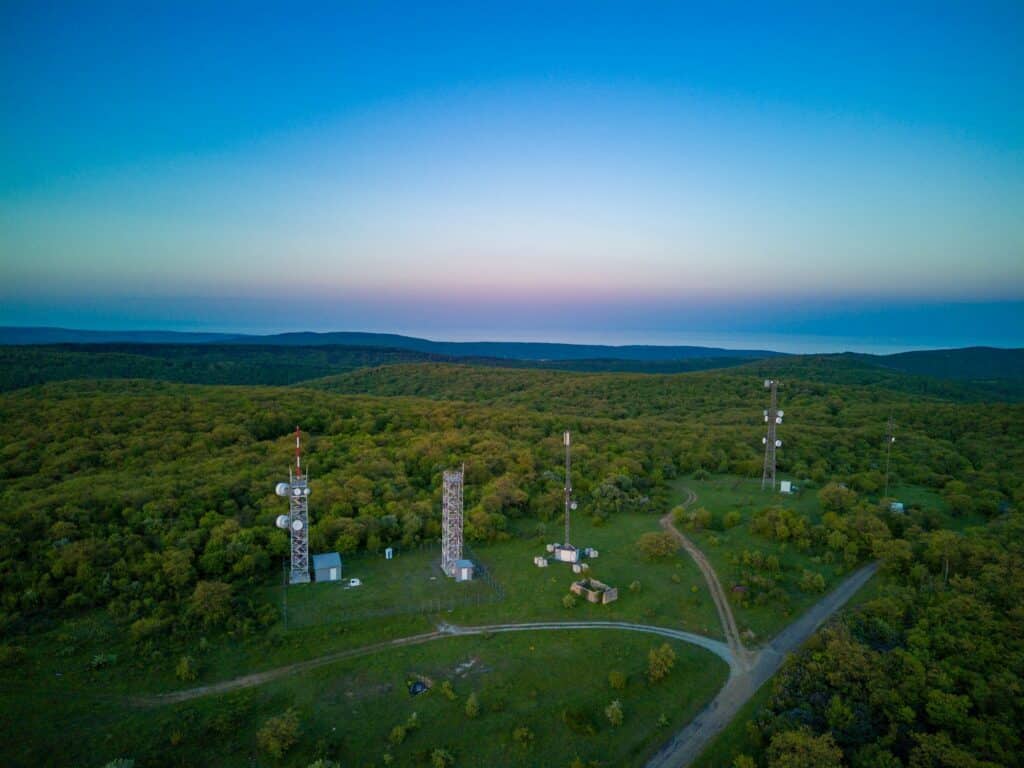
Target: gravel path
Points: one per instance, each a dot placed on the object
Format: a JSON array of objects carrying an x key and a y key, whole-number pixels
[{"x": 732, "y": 633}]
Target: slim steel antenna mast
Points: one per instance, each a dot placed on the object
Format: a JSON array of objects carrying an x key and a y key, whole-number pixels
[
  {"x": 773, "y": 417},
  {"x": 890, "y": 438},
  {"x": 568, "y": 483}
]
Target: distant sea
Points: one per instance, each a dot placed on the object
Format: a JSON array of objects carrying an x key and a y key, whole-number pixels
[{"x": 793, "y": 343}]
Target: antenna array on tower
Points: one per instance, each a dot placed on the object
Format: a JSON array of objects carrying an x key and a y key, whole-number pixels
[{"x": 296, "y": 522}]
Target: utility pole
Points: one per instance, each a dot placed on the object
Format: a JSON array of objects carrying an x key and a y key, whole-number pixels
[
  {"x": 890, "y": 438},
  {"x": 772, "y": 417}
]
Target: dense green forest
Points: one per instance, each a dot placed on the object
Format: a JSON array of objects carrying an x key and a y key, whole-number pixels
[
  {"x": 151, "y": 503},
  {"x": 927, "y": 674}
]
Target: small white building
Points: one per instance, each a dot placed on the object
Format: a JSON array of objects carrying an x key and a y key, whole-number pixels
[
  {"x": 896, "y": 506},
  {"x": 566, "y": 553},
  {"x": 463, "y": 570},
  {"x": 327, "y": 567},
  {"x": 785, "y": 486}
]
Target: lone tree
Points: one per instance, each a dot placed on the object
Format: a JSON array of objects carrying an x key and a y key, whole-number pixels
[
  {"x": 279, "y": 733},
  {"x": 656, "y": 546},
  {"x": 660, "y": 662},
  {"x": 614, "y": 713},
  {"x": 472, "y": 706}
]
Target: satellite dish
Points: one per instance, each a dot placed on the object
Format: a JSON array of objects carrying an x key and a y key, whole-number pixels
[
  {"x": 282, "y": 522},
  {"x": 281, "y": 489},
  {"x": 781, "y": 414},
  {"x": 573, "y": 505},
  {"x": 297, "y": 525},
  {"x": 778, "y": 419},
  {"x": 296, "y": 491},
  {"x": 778, "y": 443},
  {"x": 764, "y": 441},
  {"x": 305, "y": 491}
]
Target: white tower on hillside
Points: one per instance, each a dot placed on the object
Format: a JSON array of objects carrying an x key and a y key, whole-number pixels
[
  {"x": 296, "y": 522},
  {"x": 451, "y": 520}
]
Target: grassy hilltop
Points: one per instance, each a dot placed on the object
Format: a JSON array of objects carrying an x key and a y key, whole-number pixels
[{"x": 139, "y": 554}]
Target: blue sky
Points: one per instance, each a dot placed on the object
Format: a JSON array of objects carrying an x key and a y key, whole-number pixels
[{"x": 601, "y": 171}]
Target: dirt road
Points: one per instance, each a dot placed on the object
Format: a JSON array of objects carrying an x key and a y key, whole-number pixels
[
  {"x": 687, "y": 745},
  {"x": 747, "y": 670},
  {"x": 716, "y": 647},
  {"x": 718, "y": 595}
]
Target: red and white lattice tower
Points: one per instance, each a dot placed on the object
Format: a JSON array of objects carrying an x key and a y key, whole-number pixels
[
  {"x": 296, "y": 522},
  {"x": 451, "y": 520}
]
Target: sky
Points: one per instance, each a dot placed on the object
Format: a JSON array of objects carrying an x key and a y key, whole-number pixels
[{"x": 618, "y": 172}]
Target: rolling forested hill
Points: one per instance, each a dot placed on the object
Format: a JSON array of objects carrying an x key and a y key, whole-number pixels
[{"x": 139, "y": 514}]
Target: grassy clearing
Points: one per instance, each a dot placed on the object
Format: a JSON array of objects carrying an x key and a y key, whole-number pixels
[
  {"x": 722, "y": 494},
  {"x": 548, "y": 682},
  {"x": 672, "y": 591},
  {"x": 411, "y": 582}
]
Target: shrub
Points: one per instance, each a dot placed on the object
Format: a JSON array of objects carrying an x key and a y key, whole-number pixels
[
  {"x": 472, "y": 706},
  {"x": 698, "y": 519},
  {"x": 614, "y": 713},
  {"x": 616, "y": 680},
  {"x": 11, "y": 655},
  {"x": 732, "y": 518},
  {"x": 101, "y": 660},
  {"x": 663, "y": 720},
  {"x": 121, "y": 762},
  {"x": 143, "y": 629},
  {"x": 447, "y": 691},
  {"x": 187, "y": 670},
  {"x": 812, "y": 582},
  {"x": 441, "y": 758},
  {"x": 634, "y": 586},
  {"x": 523, "y": 736},
  {"x": 660, "y": 662},
  {"x": 279, "y": 733},
  {"x": 569, "y": 601},
  {"x": 656, "y": 546},
  {"x": 701, "y": 474},
  {"x": 397, "y": 735}
]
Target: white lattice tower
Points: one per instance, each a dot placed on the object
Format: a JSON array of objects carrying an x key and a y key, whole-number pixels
[
  {"x": 296, "y": 522},
  {"x": 451, "y": 520}
]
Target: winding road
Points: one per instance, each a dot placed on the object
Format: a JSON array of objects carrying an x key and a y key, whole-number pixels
[
  {"x": 748, "y": 670},
  {"x": 732, "y": 633}
]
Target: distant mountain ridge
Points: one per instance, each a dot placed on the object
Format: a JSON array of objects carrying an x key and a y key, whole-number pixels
[
  {"x": 970, "y": 364},
  {"x": 512, "y": 350}
]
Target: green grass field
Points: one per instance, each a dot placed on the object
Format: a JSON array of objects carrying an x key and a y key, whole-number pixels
[
  {"x": 411, "y": 582},
  {"x": 672, "y": 592},
  {"x": 555, "y": 684},
  {"x": 723, "y": 493}
]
